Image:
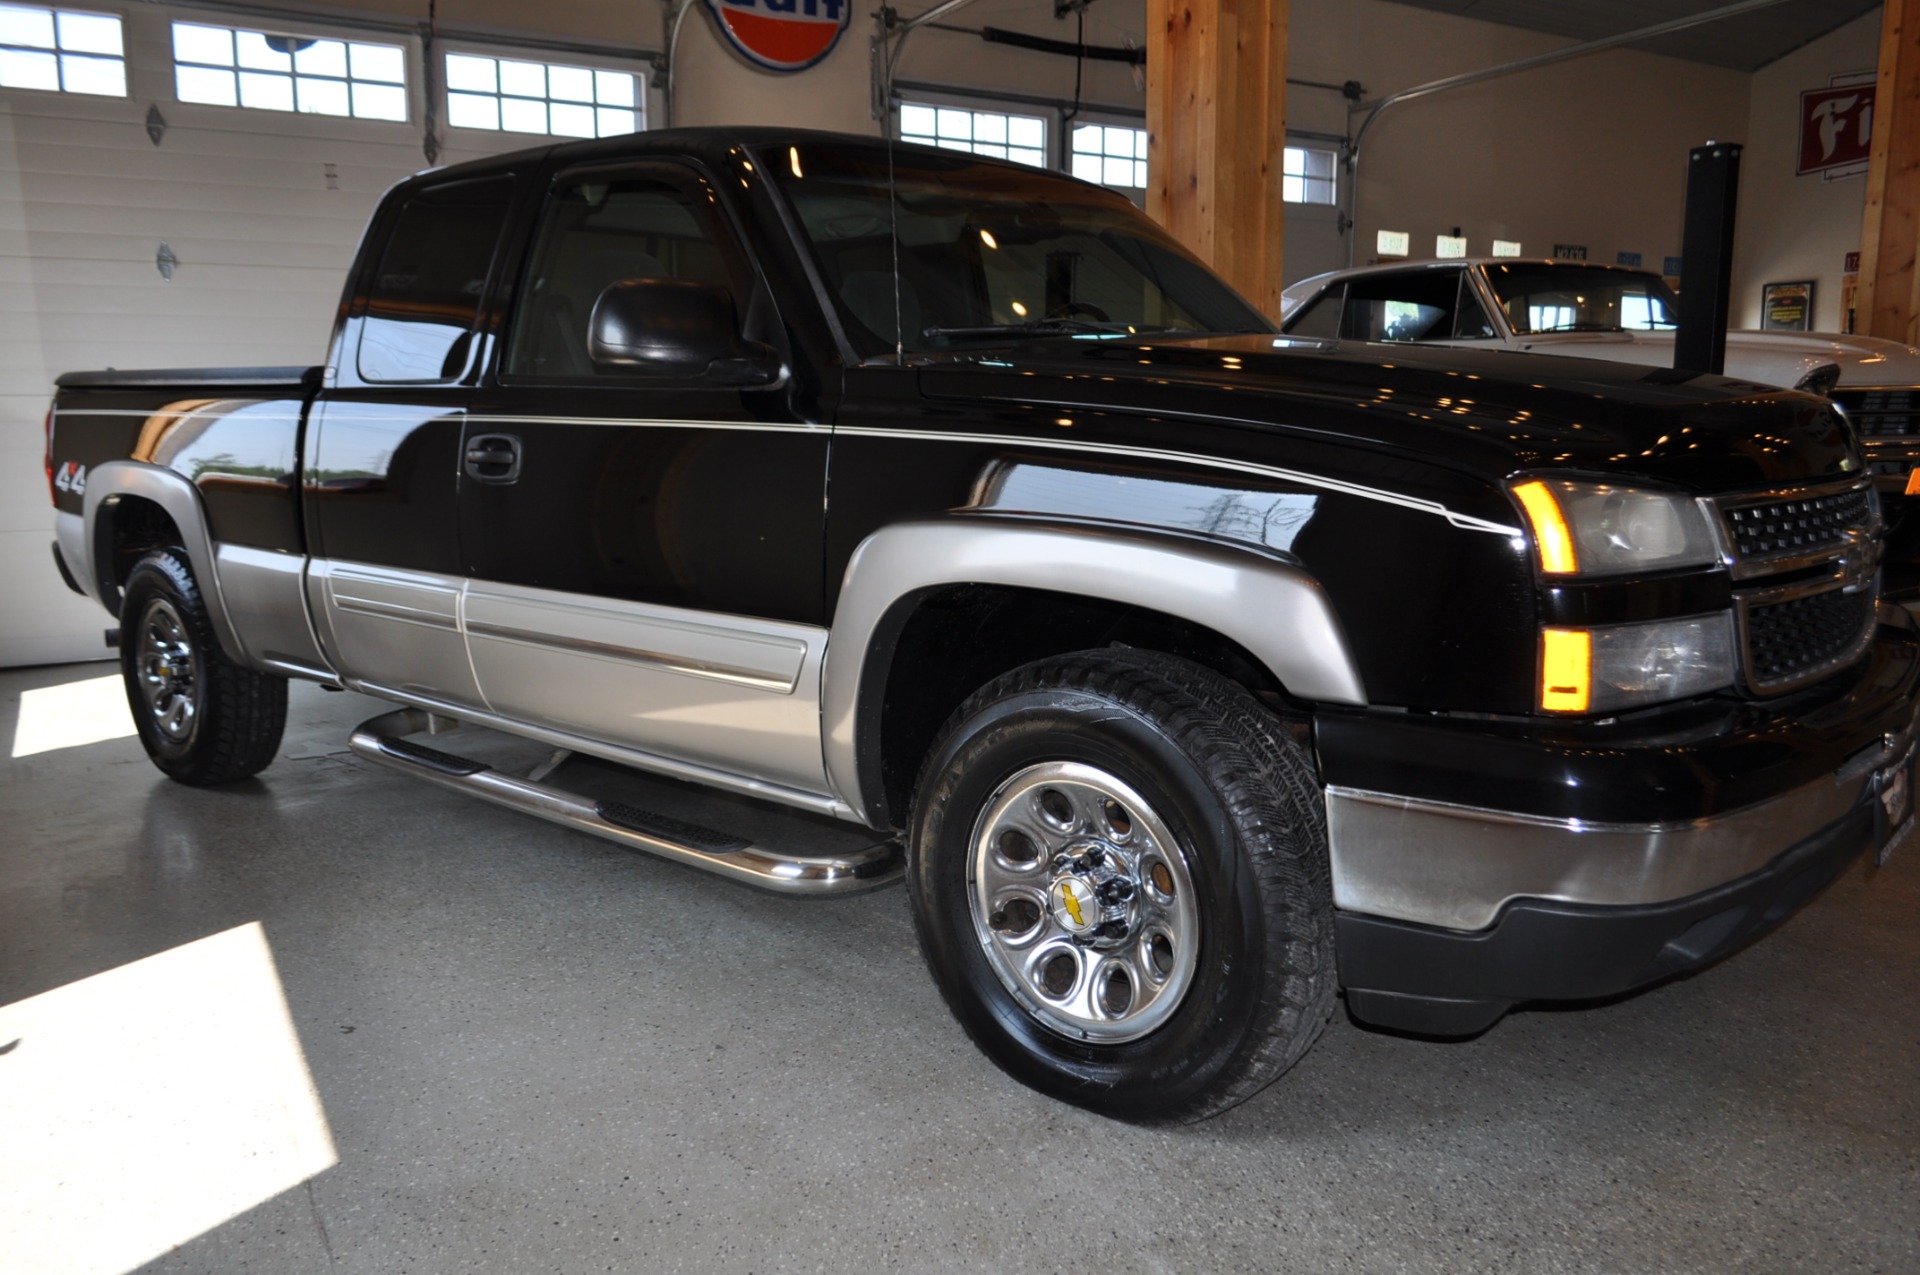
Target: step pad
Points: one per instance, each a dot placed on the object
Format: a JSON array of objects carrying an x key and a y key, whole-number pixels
[
  {"x": 432, "y": 758},
  {"x": 653, "y": 824}
]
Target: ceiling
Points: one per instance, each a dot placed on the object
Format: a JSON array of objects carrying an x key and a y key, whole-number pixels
[{"x": 1745, "y": 43}]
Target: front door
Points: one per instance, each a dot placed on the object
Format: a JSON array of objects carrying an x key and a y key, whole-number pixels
[{"x": 644, "y": 551}]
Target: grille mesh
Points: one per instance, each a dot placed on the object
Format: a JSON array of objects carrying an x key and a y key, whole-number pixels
[
  {"x": 1803, "y": 525},
  {"x": 1790, "y": 639},
  {"x": 1881, "y": 413}
]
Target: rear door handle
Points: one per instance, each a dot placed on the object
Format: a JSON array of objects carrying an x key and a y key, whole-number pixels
[{"x": 493, "y": 458}]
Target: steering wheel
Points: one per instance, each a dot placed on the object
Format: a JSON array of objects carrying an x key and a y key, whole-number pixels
[{"x": 1074, "y": 309}]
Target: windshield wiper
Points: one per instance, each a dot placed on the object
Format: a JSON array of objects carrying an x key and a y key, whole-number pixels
[
  {"x": 1583, "y": 327},
  {"x": 1033, "y": 327}
]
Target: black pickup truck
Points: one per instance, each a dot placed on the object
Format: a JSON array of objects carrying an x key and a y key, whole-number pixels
[{"x": 1193, "y": 674}]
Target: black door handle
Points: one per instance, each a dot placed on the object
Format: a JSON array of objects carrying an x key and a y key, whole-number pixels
[{"x": 493, "y": 458}]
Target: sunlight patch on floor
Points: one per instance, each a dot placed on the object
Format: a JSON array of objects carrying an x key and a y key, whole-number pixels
[
  {"x": 71, "y": 715},
  {"x": 144, "y": 1106}
]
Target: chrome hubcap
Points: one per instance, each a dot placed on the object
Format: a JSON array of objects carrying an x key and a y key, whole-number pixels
[
  {"x": 165, "y": 664},
  {"x": 1083, "y": 902}
]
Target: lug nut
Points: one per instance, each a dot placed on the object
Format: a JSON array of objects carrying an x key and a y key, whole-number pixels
[{"x": 1114, "y": 892}]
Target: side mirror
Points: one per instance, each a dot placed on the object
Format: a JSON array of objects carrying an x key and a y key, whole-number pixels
[{"x": 675, "y": 328}]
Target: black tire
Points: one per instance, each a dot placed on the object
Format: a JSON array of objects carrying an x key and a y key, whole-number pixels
[
  {"x": 203, "y": 719},
  {"x": 1013, "y": 781}
]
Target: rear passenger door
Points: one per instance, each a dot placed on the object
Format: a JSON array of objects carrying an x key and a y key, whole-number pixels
[
  {"x": 644, "y": 550},
  {"x": 381, "y": 464}
]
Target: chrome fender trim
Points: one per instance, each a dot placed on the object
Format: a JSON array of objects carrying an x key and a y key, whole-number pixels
[
  {"x": 181, "y": 501},
  {"x": 1271, "y": 607}
]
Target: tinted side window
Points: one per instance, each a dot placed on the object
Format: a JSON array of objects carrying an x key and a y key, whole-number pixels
[
  {"x": 1415, "y": 306},
  {"x": 1320, "y": 318},
  {"x": 426, "y": 293},
  {"x": 597, "y": 233}
]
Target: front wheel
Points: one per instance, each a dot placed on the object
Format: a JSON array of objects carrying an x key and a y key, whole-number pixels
[
  {"x": 1120, "y": 880},
  {"x": 202, "y": 718}
]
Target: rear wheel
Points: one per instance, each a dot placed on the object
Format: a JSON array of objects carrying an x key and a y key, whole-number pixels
[
  {"x": 203, "y": 718},
  {"x": 1120, "y": 880}
]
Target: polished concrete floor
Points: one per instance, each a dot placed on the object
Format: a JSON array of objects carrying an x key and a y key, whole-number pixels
[{"x": 508, "y": 1047}]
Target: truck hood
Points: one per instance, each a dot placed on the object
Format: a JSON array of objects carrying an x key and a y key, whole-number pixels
[
  {"x": 1483, "y": 413},
  {"x": 1772, "y": 358}
]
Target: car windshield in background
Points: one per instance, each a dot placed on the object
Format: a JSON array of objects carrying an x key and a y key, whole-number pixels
[
  {"x": 990, "y": 254},
  {"x": 1555, "y": 298}
]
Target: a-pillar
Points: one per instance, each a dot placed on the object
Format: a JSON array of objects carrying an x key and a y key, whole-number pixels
[
  {"x": 1888, "y": 301},
  {"x": 1216, "y": 122}
]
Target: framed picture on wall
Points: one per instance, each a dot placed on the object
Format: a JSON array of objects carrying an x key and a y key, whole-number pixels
[{"x": 1787, "y": 307}]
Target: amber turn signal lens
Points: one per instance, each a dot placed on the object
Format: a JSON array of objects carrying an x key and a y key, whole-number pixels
[
  {"x": 1566, "y": 670},
  {"x": 1549, "y": 528},
  {"x": 1913, "y": 483}
]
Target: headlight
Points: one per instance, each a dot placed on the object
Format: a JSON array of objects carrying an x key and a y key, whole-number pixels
[
  {"x": 1597, "y": 529},
  {"x": 1619, "y": 666}
]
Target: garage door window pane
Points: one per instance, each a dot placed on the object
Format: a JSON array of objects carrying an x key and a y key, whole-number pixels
[
  {"x": 470, "y": 110},
  {"x": 322, "y": 57},
  {"x": 209, "y": 46},
  {"x": 254, "y": 53},
  {"x": 380, "y": 102},
  {"x": 520, "y": 96},
  {"x": 1022, "y": 138},
  {"x": 90, "y": 33},
  {"x": 471, "y": 74},
  {"x": 1307, "y": 176},
  {"x": 266, "y": 92},
  {"x": 56, "y": 50},
  {"x": 1110, "y": 155},
  {"x": 278, "y": 71},
  {"x": 203, "y": 84},
  {"x": 323, "y": 97},
  {"x": 26, "y": 28},
  {"x": 427, "y": 290},
  {"x": 21, "y": 69},
  {"x": 381, "y": 62}
]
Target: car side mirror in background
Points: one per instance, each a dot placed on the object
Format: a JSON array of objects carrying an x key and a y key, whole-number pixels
[{"x": 676, "y": 328}]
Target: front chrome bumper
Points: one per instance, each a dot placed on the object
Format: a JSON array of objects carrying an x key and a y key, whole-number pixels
[{"x": 1456, "y": 867}]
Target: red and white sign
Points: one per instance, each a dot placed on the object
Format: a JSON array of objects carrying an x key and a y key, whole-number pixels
[
  {"x": 1836, "y": 127},
  {"x": 782, "y": 35}
]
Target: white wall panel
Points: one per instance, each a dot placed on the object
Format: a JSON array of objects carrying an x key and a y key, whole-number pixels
[{"x": 263, "y": 211}]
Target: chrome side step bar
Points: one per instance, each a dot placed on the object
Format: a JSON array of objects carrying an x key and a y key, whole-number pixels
[{"x": 384, "y": 740}]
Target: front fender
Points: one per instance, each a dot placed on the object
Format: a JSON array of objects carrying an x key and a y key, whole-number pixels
[{"x": 1267, "y": 604}]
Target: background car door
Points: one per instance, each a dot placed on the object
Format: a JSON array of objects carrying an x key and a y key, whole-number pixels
[
  {"x": 382, "y": 456},
  {"x": 645, "y": 551}
]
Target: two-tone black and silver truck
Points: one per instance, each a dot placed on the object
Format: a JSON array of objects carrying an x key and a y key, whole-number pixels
[{"x": 1192, "y": 674}]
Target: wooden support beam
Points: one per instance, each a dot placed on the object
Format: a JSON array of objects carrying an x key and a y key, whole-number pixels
[
  {"x": 1888, "y": 301},
  {"x": 1216, "y": 125}
]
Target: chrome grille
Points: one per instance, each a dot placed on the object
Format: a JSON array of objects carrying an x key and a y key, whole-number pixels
[
  {"x": 1881, "y": 413},
  {"x": 1803, "y": 564},
  {"x": 1790, "y": 642}
]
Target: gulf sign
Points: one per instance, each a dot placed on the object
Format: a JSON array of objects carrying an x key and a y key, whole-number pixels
[{"x": 782, "y": 35}]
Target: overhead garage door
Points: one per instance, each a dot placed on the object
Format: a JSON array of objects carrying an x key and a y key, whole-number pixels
[{"x": 253, "y": 212}]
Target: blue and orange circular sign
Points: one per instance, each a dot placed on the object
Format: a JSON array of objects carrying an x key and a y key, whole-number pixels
[{"x": 782, "y": 35}]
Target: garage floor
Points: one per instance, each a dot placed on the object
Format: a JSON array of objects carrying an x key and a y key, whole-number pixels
[{"x": 509, "y": 1047}]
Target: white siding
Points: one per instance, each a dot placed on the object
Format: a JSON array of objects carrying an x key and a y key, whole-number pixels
[{"x": 241, "y": 197}]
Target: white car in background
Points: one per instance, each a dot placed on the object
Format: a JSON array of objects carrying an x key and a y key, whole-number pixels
[{"x": 1583, "y": 310}]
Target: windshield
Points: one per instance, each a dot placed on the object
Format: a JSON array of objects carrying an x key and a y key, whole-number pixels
[
  {"x": 990, "y": 254},
  {"x": 1551, "y": 298}
]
